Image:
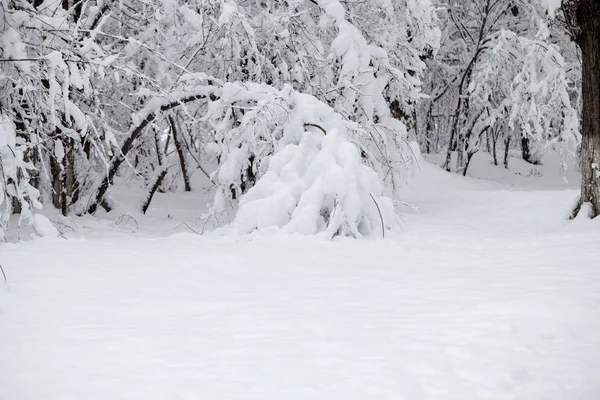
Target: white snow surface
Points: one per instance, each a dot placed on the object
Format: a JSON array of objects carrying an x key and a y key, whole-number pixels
[
  {"x": 551, "y": 6},
  {"x": 43, "y": 226},
  {"x": 487, "y": 293}
]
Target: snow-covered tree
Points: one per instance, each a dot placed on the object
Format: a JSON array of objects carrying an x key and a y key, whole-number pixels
[
  {"x": 94, "y": 87},
  {"x": 581, "y": 19},
  {"x": 498, "y": 76}
]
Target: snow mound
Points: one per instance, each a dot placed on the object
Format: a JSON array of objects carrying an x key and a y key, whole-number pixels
[
  {"x": 319, "y": 186},
  {"x": 43, "y": 227}
]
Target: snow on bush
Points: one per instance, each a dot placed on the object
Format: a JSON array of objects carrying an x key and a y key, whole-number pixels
[
  {"x": 270, "y": 138},
  {"x": 317, "y": 186},
  {"x": 14, "y": 177}
]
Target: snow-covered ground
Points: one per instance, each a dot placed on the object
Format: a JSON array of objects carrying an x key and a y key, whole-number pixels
[{"x": 487, "y": 293}]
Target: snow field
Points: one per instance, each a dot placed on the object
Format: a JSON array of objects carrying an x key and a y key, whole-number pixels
[{"x": 485, "y": 294}]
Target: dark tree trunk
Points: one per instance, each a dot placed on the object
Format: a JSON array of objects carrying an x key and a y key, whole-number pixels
[
  {"x": 494, "y": 147},
  {"x": 180, "y": 154},
  {"x": 461, "y": 144},
  {"x": 588, "y": 39},
  {"x": 56, "y": 172},
  {"x": 525, "y": 150},
  {"x": 469, "y": 158},
  {"x": 429, "y": 129},
  {"x": 506, "y": 151},
  {"x": 157, "y": 182}
]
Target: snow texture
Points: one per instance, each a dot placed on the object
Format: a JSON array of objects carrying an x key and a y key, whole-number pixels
[
  {"x": 552, "y": 6},
  {"x": 43, "y": 227},
  {"x": 487, "y": 293}
]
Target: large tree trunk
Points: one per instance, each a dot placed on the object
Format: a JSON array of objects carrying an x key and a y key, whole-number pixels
[{"x": 588, "y": 18}]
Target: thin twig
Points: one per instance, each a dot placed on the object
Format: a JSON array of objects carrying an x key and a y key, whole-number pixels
[
  {"x": 318, "y": 127},
  {"x": 380, "y": 216},
  {"x": 3, "y": 274},
  {"x": 190, "y": 228}
]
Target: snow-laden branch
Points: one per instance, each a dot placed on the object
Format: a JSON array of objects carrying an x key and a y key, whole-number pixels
[{"x": 148, "y": 115}]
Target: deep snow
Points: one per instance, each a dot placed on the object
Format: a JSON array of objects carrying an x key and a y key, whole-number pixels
[{"x": 487, "y": 293}]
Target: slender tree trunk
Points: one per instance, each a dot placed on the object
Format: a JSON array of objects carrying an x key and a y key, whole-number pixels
[
  {"x": 160, "y": 157},
  {"x": 429, "y": 129},
  {"x": 506, "y": 150},
  {"x": 56, "y": 176},
  {"x": 180, "y": 154},
  {"x": 525, "y": 150},
  {"x": 451, "y": 146},
  {"x": 494, "y": 147},
  {"x": 469, "y": 158},
  {"x": 588, "y": 18},
  {"x": 157, "y": 182},
  {"x": 460, "y": 151}
]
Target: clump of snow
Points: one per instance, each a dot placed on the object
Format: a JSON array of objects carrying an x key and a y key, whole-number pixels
[
  {"x": 317, "y": 186},
  {"x": 586, "y": 212},
  {"x": 43, "y": 227},
  {"x": 13, "y": 48},
  {"x": 14, "y": 174},
  {"x": 228, "y": 10},
  {"x": 551, "y": 6}
]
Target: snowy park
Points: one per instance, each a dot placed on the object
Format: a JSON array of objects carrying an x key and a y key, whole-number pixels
[
  {"x": 300, "y": 199},
  {"x": 487, "y": 292}
]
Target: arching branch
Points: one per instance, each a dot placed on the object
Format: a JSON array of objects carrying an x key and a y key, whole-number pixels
[{"x": 135, "y": 132}]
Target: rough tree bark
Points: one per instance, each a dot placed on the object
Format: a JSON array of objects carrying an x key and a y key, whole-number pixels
[{"x": 587, "y": 16}]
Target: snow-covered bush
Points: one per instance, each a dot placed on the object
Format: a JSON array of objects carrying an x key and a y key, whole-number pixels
[
  {"x": 15, "y": 189},
  {"x": 317, "y": 186},
  {"x": 254, "y": 123}
]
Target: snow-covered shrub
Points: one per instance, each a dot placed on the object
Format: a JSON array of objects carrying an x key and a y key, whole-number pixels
[
  {"x": 15, "y": 188},
  {"x": 254, "y": 123},
  {"x": 80, "y": 77},
  {"x": 317, "y": 186}
]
